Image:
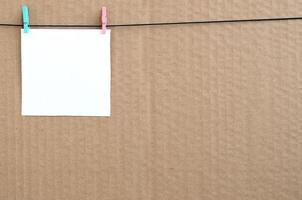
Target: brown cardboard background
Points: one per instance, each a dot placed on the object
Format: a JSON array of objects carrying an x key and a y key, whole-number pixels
[{"x": 198, "y": 111}]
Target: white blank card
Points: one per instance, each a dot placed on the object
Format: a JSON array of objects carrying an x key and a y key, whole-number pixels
[{"x": 65, "y": 72}]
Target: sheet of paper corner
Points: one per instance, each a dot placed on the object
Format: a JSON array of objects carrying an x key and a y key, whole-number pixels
[{"x": 66, "y": 72}]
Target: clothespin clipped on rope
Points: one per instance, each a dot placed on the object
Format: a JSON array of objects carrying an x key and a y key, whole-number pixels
[
  {"x": 104, "y": 19},
  {"x": 25, "y": 14}
]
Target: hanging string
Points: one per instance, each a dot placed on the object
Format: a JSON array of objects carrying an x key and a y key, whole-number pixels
[{"x": 160, "y": 23}]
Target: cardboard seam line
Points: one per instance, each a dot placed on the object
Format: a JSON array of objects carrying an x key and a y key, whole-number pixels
[{"x": 161, "y": 23}]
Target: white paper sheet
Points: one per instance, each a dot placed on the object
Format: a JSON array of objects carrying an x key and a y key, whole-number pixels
[{"x": 65, "y": 72}]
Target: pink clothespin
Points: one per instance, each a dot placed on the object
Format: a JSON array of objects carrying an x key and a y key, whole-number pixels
[{"x": 104, "y": 19}]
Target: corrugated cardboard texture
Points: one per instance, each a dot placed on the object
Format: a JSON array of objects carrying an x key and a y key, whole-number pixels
[{"x": 198, "y": 111}]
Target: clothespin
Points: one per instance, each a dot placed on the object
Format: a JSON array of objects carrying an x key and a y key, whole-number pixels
[
  {"x": 25, "y": 18},
  {"x": 104, "y": 19}
]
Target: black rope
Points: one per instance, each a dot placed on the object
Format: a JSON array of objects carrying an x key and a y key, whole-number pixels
[{"x": 160, "y": 23}]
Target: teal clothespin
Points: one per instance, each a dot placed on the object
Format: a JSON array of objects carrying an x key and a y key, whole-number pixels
[{"x": 25, "y": 18}]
